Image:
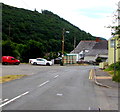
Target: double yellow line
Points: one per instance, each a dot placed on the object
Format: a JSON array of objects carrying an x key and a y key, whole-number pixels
[{"x": 91, "y": 74}]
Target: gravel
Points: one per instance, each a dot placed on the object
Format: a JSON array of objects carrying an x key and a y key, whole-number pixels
[{"x": 23, "y": 69}]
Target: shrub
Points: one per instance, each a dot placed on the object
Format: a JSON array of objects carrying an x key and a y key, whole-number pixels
[
  {"x": 117, "y": 66},
  {"x": 117, "y": 77},
  {"x": 111, "y": 68}
]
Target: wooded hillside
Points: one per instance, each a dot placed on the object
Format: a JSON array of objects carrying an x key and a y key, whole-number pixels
[{"x": 30, "y": 34}]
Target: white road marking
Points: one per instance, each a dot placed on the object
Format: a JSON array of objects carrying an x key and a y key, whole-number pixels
[
  {"x": 43, "y": 83},
  {"x": 3, "y": 100},
  {"x": 23, "y": 94},
  {"x": 20, "y": 95},
  {"x": 58, "y": 94},
  {"x": 95, "y": 108},
  {"x": 13, "y": 99},
  {"x": 56, "y": 76}
]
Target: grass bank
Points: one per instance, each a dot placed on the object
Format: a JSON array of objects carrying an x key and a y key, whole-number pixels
[
  {"x": 110, "y": 69},
  {"x": 8, "y": 78}
]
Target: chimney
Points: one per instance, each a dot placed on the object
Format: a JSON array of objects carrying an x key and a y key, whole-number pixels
[{"x": 98, "y": 39}]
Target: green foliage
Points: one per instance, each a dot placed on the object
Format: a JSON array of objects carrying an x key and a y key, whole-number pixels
[
  {"x": 9, "y": 49},
  {"x": 117, "y": 30},
  {"x": 30, "y": 34},
  {"x": 51, "y": 55},
  {"x": 99, "y": 59},
  {"x": 111, "y": 68},
  {"x": 117, "y": 77},
  {"x": 117, "y": 66}
]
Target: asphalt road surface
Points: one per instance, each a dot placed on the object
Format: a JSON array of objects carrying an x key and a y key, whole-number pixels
[{"x": 53, "y": 88}]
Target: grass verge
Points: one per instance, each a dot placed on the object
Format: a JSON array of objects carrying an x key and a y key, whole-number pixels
[
  {"x": 110, "y": 69},
  {"x": 8, "y": 78}
]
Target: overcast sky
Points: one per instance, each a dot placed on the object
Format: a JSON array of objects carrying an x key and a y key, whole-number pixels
[{"x": 92, "y": 16}]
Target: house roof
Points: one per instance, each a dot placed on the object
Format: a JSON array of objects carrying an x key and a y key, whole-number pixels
[
  {"x": 84, "y": 45},
  {"x": 101, "y": 45},
  {"x": 94, "y": 47},
  {"x": 95, "y": 52}
]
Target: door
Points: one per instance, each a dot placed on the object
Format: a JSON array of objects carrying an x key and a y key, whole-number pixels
[
  {"x": 12, "y": 60},
  {"x": 41, "y": 61}
]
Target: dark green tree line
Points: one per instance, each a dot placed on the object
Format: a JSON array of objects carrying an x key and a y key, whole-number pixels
[{"x": 30, "y": 34}]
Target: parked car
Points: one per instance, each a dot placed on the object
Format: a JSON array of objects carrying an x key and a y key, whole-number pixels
[
  {"x": 10, "y": 60},
  {"x": 40, "y": 61},
  {"x": 57, "y": 60}
]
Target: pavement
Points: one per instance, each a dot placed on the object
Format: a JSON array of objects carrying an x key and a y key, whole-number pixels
[{"x": 104, "y": 79}]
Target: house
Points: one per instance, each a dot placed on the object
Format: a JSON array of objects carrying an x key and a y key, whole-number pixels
[
  {"x": 91, "y": 50},
  {"x": 100, "y": 50},
  {"x": 113, "y": 51},
  {"x": 82, "y": 48}
]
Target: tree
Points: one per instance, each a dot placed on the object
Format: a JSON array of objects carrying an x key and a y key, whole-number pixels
[
  {"x": 9, "y": 49},
  {"x": 29, "y": 34},
  {"x": 116, "y": 19}
]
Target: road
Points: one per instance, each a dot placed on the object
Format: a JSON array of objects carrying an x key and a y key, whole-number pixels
[{"x": 52, "y": 88}]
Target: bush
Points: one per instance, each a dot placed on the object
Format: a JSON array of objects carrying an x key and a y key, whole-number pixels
[
  {"x": 111, "y": 67},
  {"x": 117, "y": 77}
]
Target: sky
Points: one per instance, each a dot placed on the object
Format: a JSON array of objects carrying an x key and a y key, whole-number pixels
[{"x": 92, "y": 16}]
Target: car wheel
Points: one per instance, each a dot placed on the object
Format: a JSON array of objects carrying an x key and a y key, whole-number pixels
[
  {"x": 5, "y": 63},
  {"x": 17, "y": 63},
  {"x": 48, "y": 64},
  {"x": 34, "y": 63}
]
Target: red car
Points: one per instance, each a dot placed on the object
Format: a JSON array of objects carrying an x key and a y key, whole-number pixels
[{"x": 10, "y": 60}]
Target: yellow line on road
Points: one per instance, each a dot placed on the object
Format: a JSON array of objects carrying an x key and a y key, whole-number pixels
[{"x": 91, "y": 74}]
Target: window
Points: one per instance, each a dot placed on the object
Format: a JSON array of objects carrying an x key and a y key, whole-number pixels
[
  {"x": 12, "y": 58},
  {"x": 40, "y": 60},
  {"x": 112, "y": 43}
]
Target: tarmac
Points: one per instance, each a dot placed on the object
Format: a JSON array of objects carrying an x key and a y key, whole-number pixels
[{"x": 102, "y": 78}]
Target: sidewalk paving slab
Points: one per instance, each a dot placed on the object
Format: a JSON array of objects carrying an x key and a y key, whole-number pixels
[{"x": 105, "y": 78}]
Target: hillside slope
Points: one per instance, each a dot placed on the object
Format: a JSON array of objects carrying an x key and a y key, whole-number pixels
[{"x": 30, "y": 34}]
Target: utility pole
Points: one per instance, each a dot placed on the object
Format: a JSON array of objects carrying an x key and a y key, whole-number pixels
[
  {"x": 115, "y": 57},
  {"x": 74, "y": 43},
  {"x": 63, "y": 39}
]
